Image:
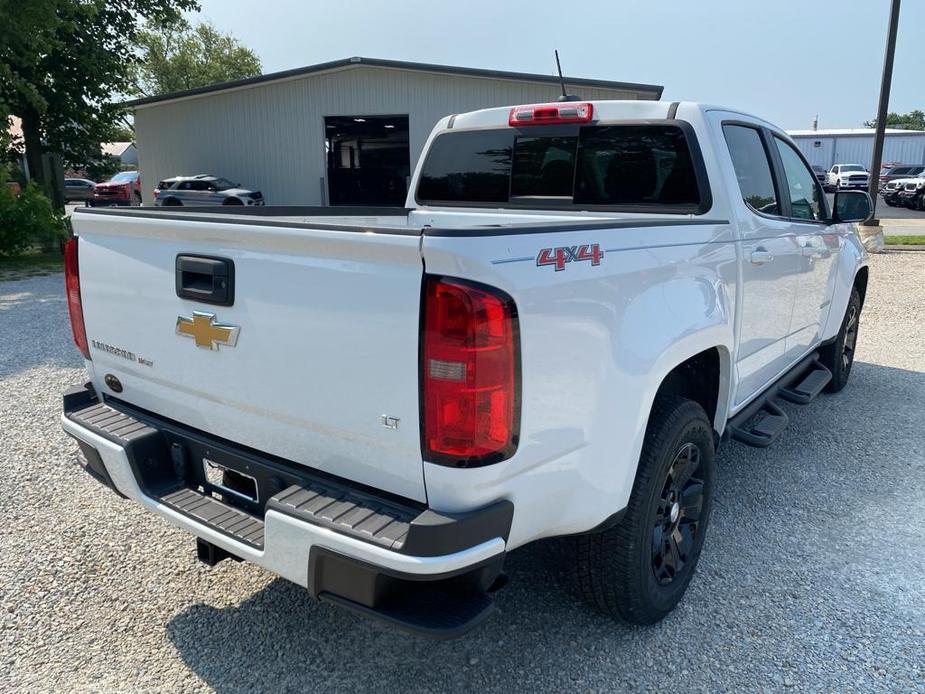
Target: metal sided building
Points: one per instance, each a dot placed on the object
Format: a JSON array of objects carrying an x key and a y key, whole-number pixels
[
  {"x": 826, "y": 148},
  {"x": 338, "y": 133}
]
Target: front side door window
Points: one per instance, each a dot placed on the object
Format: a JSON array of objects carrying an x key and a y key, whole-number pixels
[
  {"x": 818, "y": 245},
  {"x": 806, "y": 199}
]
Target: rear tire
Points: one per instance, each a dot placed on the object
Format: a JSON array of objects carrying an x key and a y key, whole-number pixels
[
  {"x": 838, "y": 356},
  {"x": 639, "y": 570}
]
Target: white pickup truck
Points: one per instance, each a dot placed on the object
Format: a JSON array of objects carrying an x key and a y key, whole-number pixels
[{"x": 579, "y": 303}]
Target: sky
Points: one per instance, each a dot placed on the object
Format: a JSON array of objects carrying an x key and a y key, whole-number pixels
[{"x": 783, "y": 60}]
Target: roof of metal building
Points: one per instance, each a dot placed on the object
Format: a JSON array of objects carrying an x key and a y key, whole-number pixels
[
  {"x": 654, "y": 89},
  {"x": 848, "y": 132}
]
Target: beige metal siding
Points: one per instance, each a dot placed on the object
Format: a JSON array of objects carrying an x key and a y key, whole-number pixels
[{"x": 271, "y": 136}]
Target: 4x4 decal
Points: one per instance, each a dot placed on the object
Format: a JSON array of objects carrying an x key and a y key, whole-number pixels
[{"x": 567, "y": 254}]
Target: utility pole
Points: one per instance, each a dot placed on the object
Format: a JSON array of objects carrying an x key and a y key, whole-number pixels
[{"x": 885, "y": 83}]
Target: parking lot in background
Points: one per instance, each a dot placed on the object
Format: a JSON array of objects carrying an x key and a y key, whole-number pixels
[{"x": 811, "y": 577}]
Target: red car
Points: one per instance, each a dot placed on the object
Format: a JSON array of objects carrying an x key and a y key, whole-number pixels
[{"x": 122, "y": 189}]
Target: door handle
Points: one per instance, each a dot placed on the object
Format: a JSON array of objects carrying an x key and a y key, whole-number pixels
[{"x": 760, "y": 256}]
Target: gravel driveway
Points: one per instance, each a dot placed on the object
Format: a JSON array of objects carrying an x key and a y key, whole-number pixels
[{"x": 813, "y": 577}]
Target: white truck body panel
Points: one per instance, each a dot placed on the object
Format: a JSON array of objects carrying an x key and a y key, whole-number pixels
[
  {"x": 289, "y": 387},
  {"x": 330, "y": 314}
]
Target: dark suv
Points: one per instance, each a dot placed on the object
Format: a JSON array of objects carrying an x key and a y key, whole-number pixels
[{"x": 203, "y": 189}]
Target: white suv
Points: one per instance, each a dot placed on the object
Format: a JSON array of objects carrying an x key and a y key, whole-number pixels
[{"x": 847, "y": 176}]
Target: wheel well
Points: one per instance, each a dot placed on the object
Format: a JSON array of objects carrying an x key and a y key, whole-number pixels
[
  {"x": 696, "y": 379},
  {"x": 860, "y": 282}
]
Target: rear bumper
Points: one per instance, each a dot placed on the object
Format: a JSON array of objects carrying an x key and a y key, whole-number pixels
[{"x": 385, "y": 557}]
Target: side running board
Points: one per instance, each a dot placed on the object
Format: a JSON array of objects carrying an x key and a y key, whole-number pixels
[
  {"x": 763, "y": 421},
  {"x": 813, "y": 381},
  {"x": 762, "y": 428}
]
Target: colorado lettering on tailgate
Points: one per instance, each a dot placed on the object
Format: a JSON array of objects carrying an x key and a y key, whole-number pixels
[{"x": 567, "y": 254}]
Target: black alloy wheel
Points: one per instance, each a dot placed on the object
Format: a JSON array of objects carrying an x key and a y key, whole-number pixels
[
  {"x": 677, "y": 515},
  {"x": 851, "y": 335}
]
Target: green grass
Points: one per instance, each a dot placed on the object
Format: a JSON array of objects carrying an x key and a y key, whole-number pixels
[
  {"x": 30, "y": 265},
  {"x": 904, "y": 240}
]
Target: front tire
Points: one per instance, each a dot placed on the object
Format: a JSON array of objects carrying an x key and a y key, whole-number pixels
[
  {"x": 838, "y": 356},
  {"x": 639, "y": 570}
]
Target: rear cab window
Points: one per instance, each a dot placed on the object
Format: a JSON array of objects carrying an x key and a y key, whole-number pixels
[{"x": 645, "y": 167}]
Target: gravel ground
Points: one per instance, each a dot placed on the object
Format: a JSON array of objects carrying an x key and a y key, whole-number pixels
[{"x": 812, "y": 578}]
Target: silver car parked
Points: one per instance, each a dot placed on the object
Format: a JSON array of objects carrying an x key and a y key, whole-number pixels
[{"x": 203, "y": 189}]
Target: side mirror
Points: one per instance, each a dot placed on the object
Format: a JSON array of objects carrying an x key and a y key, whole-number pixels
[{"x": 852, "y": 206}]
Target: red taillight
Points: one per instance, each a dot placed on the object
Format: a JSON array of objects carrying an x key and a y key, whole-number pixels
[
  {"x": 551, "y": 114},
  {"x": 156, "y": 191},
  {"x": 74, "y": 306},
  {"x": 470, "y": 373}
]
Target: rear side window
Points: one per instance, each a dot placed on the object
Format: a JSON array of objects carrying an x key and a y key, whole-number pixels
[
  {"x": 468, "y": 166},
  {"x": 635, "y": 165},
  {"x": 647, "y": 165},
  {"x": 753, "y": 169}
]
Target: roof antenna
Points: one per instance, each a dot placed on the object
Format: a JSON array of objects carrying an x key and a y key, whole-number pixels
[{"x": 565, "y": 95}]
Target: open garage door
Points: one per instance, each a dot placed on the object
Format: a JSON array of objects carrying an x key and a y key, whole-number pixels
[{"x": 369, "y": 162}]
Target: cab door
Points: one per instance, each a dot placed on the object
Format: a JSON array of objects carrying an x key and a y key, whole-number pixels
[
  {"x": 769, "y": 256},
  {"x": 818, "y": 242}
]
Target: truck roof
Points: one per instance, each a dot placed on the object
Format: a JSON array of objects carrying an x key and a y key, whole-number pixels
[{"x": 603, "y": 111}]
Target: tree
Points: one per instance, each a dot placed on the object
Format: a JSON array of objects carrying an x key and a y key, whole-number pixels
[
  {"x": 61, "y": 61},
  {"x": 914, "y": 120},
  {"x": 178, "y": 56}
]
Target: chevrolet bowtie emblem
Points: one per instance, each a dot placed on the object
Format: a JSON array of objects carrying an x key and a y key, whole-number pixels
[{"x": 207, "y": 333}]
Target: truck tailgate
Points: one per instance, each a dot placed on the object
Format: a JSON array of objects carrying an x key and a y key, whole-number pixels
[{"x": 324, "y": 370}]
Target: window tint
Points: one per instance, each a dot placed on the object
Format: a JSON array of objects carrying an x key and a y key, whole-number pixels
[
  {"x": 635, "y": 165},
  {"x": 222, "y": 184},
  {"x": 590, "y": 165},
  {"x": 753, "y": 170},
  {"x": 543, "y": 166},
  {"x": 199, "y": 185},
  {"x": 470, "y": 166},
  {"x": 801, "y": 184}
]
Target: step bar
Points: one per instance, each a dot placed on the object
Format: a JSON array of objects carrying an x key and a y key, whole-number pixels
[{"x": 762, "y": 421}]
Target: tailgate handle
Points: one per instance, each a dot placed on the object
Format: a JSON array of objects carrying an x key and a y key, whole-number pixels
[{"x": 206, "y": 279}]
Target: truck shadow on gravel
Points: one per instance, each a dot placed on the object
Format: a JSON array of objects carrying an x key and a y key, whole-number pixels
[
  {"x": 280, "y": 639},
  {"x": 756, "y": 584}
]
